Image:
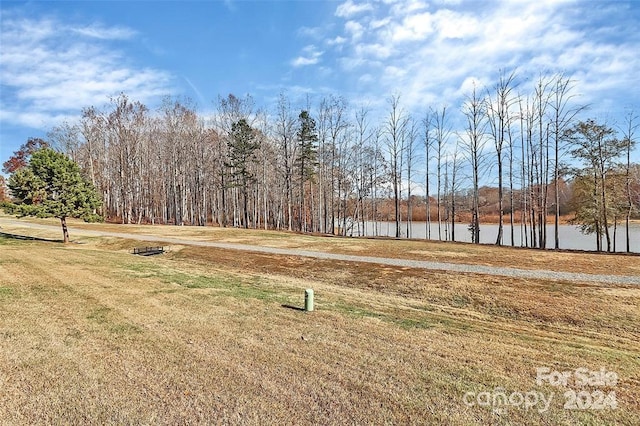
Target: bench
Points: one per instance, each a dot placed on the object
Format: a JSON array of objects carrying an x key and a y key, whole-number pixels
[{"x": 148, "y": 251}]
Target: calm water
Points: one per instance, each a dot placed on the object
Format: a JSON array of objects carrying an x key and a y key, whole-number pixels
[{"x": 570, "y": 236}]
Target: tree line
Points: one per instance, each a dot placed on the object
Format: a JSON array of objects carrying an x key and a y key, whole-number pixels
[{"x": 332, "y": 168}]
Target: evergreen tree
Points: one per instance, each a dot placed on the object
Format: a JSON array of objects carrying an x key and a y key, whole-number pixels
[
  {"x": 306, "y": 160},
  {"x": 51, "y": 185},
  {"x": 242, "y": 148}
]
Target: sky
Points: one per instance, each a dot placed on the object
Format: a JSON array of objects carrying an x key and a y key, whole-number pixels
[{"x": 57, "y": 57}]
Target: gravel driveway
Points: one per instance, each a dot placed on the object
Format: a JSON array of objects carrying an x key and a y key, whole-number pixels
[{"x": 420, "y": 264}]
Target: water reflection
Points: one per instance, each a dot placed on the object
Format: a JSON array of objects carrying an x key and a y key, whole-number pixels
[{"x": 570, "y": 236}]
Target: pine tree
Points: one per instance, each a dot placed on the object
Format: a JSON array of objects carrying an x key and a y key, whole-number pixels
[
  {"x": 306, "y": 161},
  {"x": 51, "y": 185},
  {"x": 242, "y": 148}
]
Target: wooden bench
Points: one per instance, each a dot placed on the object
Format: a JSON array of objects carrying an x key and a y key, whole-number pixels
[{"x": 148, "y": 251}]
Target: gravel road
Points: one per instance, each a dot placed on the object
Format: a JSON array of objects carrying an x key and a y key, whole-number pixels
[{"x": 420, "y": 264}]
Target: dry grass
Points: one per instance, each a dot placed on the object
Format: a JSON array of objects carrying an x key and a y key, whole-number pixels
[
  {"x": 564, "y": 261},
  {"x": 92, "y": 334}
]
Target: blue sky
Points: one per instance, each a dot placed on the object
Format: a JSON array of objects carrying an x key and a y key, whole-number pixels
[{"x": 58, "y": 57}]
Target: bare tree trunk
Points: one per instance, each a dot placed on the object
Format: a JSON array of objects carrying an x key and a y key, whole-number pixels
[
  {"x": 427, "y": 149},
  {"x": 411, "y": 135},
  {"x": 474, "y": 144},
  {"x": 605, "y": 215},
  {"x": 65, "y": 231},
  {"x": 563, "y": 116},
  {"x": 511, "y": 221},
  {"x": 631, "y": 127},
  {"x": 454, "y": 188},
  {"x": 395, "y": 127},
  {"x": 499, "y": 119},
  {"x": 524, "y": 241},
  {"x": 442, "y": 136}
]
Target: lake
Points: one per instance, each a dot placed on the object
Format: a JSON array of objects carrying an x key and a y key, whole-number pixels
[{"x": 570, "y": 236}]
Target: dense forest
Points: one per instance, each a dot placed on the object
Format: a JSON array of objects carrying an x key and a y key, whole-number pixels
[{"x": 510, "y": 154}]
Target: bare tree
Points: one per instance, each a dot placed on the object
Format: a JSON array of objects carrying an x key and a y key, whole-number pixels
[
  {"x": 411, "y": 134},
  {"x": 394, "y": 130},
  {"x": 499, "y": 119},
  {"x": 473, "y": 146},
  {"x": 364, "y": 157},
  {"x": 338, "y": 126},
  {"x": 631, "y": 126},
  {"x": 525, "y": 118},
  {"x": 454, "y": 188},
  {"x": 543, "y": 94},
  {"x": 428, "y": 145},
  {"x": 66, "y": 138},
  {"x": 285, "y": 134},
  {"x": 126, "y": 126},
  {"x": 442, "y": 131},
  {"x": 563, "y": 115},
  {"x": 378, "y": 174},
  {"x": 511, "y": 145},
  {"x": 324, "y": 165}
]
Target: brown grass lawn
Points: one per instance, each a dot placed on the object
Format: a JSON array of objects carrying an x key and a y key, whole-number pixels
[
  {"x": 595, "y": 263},
  {"x": 92, "y": 334}
]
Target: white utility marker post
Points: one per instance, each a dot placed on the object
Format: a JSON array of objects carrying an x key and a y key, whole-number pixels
[{"x": 308, "y": 300}]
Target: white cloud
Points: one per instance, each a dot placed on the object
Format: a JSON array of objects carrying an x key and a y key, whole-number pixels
[
  {"x": 337, "y": 41},
  {"x": 468, "y": 85},
  {"x": 376, "y": 50},
  {"x": 413, "y": 28},
  {"x": 403, "y": 8},
  {"x": 35, "y": 119},
  {"x": 455, "y": 25},
  {"x": 393, "y": 73},
  {"x": 366, "y": 79},
  {"x": 349, "y": 8},
  {"x": 104, "y": 33},
  {"x": 355, "y": 29},
  {"x": 432, "y": 52},
  {"x": 51, "y": 70},
  {"x": 351, "y": 63},
  {"x": 310, "y": 56},
  {"x": 302, "y": 61},
  {"x": 379, "y": 23}
]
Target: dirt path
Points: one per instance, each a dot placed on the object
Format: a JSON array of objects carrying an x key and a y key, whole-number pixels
[{"x": 420, "y": 264}]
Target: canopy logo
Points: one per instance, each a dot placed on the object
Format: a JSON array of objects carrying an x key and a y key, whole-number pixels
[{"x": 583, "y": 391}]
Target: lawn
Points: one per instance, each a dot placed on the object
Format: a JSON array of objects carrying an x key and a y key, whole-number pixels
[{"x": 92, "y": 334}]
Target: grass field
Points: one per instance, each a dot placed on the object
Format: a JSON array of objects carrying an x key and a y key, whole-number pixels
[{"x": 92, "y": 334}]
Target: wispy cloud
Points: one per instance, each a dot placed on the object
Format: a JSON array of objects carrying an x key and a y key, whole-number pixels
[
  {"x": 337, "y": 41},
  {"x": 104, "y": 33},
  {"x": 310, "y": 56},
  {"x": 430, "y": 51},
  {"x": 311, "y": 32},
  {"x": 50, "y": 70},
  {"x": 349, "y": 8}
]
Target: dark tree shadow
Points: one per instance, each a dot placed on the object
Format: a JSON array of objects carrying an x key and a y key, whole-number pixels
[{"x": 27, "y": 238}]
